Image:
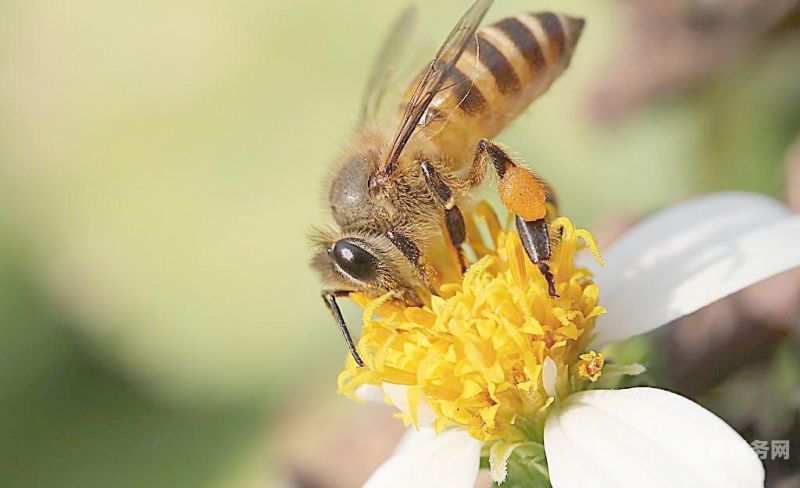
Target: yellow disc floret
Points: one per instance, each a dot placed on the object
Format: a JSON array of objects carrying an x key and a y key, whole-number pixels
[
  {"x": 590, "y": 365},
  {"x": 474, "y": 354}
]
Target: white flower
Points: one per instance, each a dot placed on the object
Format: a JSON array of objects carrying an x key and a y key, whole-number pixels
[{"x": 668, "y": 266}]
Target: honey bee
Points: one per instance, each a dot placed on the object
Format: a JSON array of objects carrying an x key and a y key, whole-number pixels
[{"x": 395, "y": 191}]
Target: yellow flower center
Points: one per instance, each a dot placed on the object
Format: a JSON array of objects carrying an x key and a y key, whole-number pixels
[{"x": 474, "y": 354}]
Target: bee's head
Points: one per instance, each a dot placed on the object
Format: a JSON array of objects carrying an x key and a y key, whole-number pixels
[{"x": 367, "y": 263}]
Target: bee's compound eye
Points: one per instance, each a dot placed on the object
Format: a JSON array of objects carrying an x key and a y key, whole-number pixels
[{"x": 353, "y": 259}]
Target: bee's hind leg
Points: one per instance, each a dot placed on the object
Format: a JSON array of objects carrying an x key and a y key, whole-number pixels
[
  {"x": 527, "y": 196},
  {"x": 536, "y": 241},
  {"x": 453, "y": 218}
]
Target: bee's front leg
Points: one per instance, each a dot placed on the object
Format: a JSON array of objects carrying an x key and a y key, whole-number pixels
[
  {"x": 405, "y": 243},
  {"x": 526, "y": 196}
]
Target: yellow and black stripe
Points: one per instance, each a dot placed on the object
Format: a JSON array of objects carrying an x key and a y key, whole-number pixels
[{"x": 506, "y": 67}]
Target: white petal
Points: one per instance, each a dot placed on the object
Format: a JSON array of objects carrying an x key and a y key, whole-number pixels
[
  {"x": 412, "y": 439},
  {"x": 370, "y": 393},
  {"x": 645, "y": 437},
  {"x": 549, "y": 375},
  {"x": 425, "y": 459},
  {"x": 398, "y": 394},
  {"x": 689, "y": 256}
]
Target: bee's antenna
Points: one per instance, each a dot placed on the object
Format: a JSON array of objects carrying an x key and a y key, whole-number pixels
[{"x": 329, "y": 297}]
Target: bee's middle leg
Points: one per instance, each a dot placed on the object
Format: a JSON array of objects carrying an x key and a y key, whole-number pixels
[
  {"x": 527, "y": 196},
  {"x": 453, "y": 218}
]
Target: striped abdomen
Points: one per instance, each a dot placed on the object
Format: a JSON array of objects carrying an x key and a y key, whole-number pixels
[{"x": 510, "y": 64}]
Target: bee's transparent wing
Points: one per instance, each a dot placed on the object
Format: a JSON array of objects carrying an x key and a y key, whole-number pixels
[
  {"x": 387, "y": 64},
  {"x": 432, "y": 80}
]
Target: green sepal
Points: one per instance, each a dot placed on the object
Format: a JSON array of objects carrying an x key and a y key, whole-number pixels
[{"x": 527, "y": 467}]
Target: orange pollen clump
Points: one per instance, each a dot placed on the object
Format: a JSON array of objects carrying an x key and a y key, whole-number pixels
[{"x": 523, "y": 194}]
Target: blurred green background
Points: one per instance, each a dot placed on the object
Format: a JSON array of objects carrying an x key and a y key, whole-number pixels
[{"x": 161, "y": 163}]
